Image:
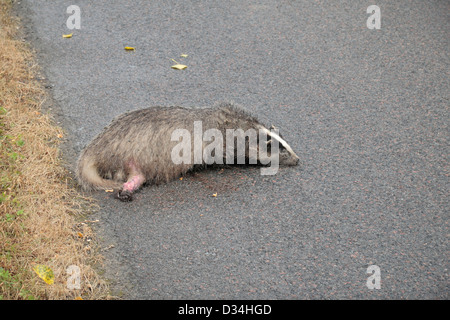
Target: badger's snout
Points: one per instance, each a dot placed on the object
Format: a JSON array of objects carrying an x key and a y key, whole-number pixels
[{"x": 288, "y": 159}]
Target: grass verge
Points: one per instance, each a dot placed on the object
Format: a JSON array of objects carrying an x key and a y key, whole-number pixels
[{"x": 40, "y": 221}]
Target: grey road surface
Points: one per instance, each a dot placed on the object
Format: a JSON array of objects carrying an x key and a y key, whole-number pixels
[{"x": 367, "y": 111}]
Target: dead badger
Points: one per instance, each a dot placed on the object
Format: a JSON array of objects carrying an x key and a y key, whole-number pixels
[{"x": 159, "y": 144}]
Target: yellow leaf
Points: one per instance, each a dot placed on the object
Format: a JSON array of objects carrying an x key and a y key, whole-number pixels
[
  {"x": 130, "y": 48},
  {"x": 184, "y": 55},
  {"x": 181, "y": 178},
  {"x": 78, "y": 298},
  {"x": 80, "y": 235},
  {"x": 109, "y": 190},
  {"x": 45, "y": 273},
  {"x": 214, "y": 194},
  {"x": 67, "y": 35},
  {"x": 60, "y": 135},
  {"x": 179, "y": 66}
]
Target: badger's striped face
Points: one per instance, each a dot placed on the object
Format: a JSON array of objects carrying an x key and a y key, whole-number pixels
[{"x": 286, "y": 156}]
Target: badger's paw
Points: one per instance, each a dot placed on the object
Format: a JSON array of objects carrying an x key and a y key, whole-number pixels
[{"x": 124, "y": 195}]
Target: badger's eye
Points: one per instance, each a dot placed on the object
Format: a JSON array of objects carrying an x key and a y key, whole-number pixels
[{"x": 269, "y": 145}]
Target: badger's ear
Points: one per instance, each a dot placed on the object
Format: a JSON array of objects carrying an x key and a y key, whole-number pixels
[{"x": 268, "y": 141}]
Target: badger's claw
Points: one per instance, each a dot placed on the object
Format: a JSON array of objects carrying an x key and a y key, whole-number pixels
[{"x": 124, "y": 195}]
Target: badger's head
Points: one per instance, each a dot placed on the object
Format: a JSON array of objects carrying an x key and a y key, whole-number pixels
[
  {"x": 276, "y": 145},
  {"x": 262, "y": 145}
]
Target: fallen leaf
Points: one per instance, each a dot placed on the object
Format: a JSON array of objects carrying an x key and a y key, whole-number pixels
[
  {"x": 181, "y": 178},
  {"x": 214, "y": 194},
  {"x": 109, "y": 190},
  {"x": 184, "y": 55},
  {"x": 60, "y": 135},
  {"x": 179, "y": 66},
  {"x": 130, "y": 48},
  {"x": 67, "y": 35},
  {"x": 80, "y": 235},
  {"x": 78, "y": 298},
  {"x": 45, "y": 273}
]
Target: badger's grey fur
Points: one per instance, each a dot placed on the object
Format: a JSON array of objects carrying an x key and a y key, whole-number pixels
[{"x": 136, "y": 147}]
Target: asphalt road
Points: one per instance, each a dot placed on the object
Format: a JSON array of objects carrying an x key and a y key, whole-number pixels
[{"x": 366, "y": 110}]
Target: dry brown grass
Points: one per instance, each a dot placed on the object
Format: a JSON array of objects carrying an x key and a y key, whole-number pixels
[{"x": 39, "y": 211}]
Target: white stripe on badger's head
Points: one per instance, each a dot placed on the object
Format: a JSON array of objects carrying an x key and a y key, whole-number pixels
[{"x": 275, "y": 136}]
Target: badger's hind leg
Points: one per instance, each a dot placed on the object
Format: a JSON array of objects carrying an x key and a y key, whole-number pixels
[{"x": 135, "y": 180}]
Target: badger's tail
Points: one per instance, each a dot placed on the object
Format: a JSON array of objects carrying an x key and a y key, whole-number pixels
[{"x": 88, "y": 176}]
